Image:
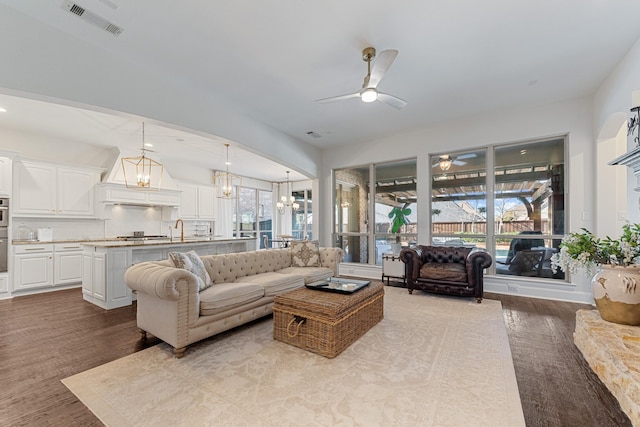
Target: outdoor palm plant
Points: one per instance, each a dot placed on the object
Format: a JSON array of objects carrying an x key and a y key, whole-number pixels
[{"x": 399, "y": 217}]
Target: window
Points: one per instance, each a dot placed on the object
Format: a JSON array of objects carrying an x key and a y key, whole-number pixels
[
  {"x": 459, "y": 199},
  {"x": 252, "y": 214},
  {"x": 359, "y": 204},
  {"x": 265, "y": 216},
  {"x": 302, "y": 221},
  {"x": 529, "y": 207},
  {"x": 523, "y": 216},
  {"x": 395, "y": 188}
]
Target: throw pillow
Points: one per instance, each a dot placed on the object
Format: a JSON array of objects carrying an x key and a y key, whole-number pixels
[
  {"x": 191, "y": 261},
  {"x": 305, "y": 253}
]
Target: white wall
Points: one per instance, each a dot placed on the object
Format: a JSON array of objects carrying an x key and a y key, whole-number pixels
[
  {"x": 613, "y": 101},
  {"x": 49, "y": 148}
]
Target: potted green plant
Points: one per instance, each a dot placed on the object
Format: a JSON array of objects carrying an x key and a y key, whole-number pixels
[
  {"x": 617, "y": 274},
  {"x": 399, "y": 217}
]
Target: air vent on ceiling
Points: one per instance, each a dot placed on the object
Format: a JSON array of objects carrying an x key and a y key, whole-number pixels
[
  {"x": 314, "y": 134},
  {"x": 92, "y": 18}
]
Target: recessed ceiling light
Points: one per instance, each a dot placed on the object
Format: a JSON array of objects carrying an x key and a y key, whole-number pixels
[
  {"x": 523, "y": 152},
  {"x": 3, "y": 110}
]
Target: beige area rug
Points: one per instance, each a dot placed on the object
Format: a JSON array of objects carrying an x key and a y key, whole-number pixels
[{"x": 432, "y": 361}]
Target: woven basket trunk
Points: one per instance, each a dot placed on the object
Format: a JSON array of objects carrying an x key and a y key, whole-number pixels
[{"x": 326, "y": 323}]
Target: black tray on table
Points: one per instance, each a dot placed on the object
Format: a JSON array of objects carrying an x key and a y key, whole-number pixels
[{"x": 341, "y": 286}]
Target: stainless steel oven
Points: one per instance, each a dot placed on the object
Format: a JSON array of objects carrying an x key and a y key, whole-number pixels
[{"x": 4, "y": 212}]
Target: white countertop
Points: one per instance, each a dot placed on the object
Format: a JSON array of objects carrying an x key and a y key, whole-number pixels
[{"x": 115, "y": 243}]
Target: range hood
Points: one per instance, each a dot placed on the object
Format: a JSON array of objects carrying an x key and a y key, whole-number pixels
[{"x": 113, "y": 190}]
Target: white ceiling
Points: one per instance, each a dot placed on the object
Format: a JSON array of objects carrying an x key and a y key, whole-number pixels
[{"x": 271, "y": 60}]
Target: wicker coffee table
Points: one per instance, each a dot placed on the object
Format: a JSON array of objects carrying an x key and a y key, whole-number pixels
[{"x": 326, "y": 323}]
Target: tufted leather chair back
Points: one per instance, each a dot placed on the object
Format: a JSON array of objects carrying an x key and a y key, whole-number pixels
[{"x": 444, "y": 254}]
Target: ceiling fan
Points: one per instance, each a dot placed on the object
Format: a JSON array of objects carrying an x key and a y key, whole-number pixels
[
  {"x": 375, "y": 73},
  {"x": 445, "y": 161}
]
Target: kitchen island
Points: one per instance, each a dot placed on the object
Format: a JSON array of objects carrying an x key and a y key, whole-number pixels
[{"x": 105, "y": 262}]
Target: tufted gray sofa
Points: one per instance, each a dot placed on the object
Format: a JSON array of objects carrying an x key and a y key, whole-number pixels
[{"x": 171, "y": 307}]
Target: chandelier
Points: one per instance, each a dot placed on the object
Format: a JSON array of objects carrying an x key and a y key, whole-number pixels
[
  {"x": 225, "y": 183},
  {"x": 142, "y": 172},
  {"x": 287, "y": 201}
]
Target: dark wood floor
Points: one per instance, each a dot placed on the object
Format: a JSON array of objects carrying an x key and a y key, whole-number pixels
[{"x": 47, "y": 337}]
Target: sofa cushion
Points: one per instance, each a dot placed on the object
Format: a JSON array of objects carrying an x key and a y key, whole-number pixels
[
  {"x": 191, "y": 261},
  {"x": 305, "y": 253},
  {"x": 226, "y": 296},
  {"x": 275, "y": 283},
  {"x": 310, "y": 274},
  {"x": 450, "y": 271},
  {"x": 233, "y": 267}
]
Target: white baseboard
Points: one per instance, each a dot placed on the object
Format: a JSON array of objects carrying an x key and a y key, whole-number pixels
[{"x": 556, "y": 290}]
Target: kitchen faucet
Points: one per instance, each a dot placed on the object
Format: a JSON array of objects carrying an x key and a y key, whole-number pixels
[{"x": 181, "y": 228}]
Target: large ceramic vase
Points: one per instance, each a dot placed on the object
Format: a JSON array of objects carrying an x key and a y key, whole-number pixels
[{"x": 616, "y": 291}]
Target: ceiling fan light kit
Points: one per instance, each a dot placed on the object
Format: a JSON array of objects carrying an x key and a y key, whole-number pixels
[
  {"x": 445, "y": 164},
  {"x": 446, "y": 161},
  {"x": 369, "y": 95},
  {"x": 375, "y": 73}
]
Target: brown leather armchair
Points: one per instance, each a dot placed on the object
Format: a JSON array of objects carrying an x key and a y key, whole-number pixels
[{"x": 447, "y": 270}]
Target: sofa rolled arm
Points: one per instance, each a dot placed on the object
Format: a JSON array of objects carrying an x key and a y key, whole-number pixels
[
  {"x": 412, "y": 258},
  {"x": 477, "y": 260},
  {"x": 331, "y": 257},
  {"x": 158, "y": 280},
  {"x": 481, "y": 257}
]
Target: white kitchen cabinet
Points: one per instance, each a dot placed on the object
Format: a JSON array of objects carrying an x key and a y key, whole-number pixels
[
  {"x": 38, "y": 266},
  {"x": 4, "y": 284},
  {"x": 67, "y": 263},
  {"x": 5, "y": 176},
  {"x": 188, "y": 201},
  {"x": 94, "y": 286},
  {"x": 196, "y": 201},
  {"x": 75, "y": 191},
  {"x": 103, "y": 276},
  {"x": 206, "y": 200},
  {"x": 44, "y": 190},
  {"x": 33, "y": 267}
]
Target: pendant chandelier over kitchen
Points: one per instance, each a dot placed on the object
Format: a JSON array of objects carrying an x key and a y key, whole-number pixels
[
  {"x": 142, "y": 172},
  {"x": 225, "y": 183},
  {"x": 287, "y": 201}
]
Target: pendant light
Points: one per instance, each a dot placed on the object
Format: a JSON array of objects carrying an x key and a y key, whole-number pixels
[
  {"x": 287, "y": 201},
  {"x": 225, "y": 183},
  {"x": 142, "y": 172}
]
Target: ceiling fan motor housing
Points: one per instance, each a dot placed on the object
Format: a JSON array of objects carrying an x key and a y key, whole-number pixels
[{"x": 368, "y": 53}]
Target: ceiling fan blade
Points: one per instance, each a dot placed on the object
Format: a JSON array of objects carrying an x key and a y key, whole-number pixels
[
  {"x": 458, "y": 163},
  {"x": 467, "y": 156},
  {"x": 381, "y": 65},
  {"x": 392, "y": 101},
  {"x": 338, "y": 98}
]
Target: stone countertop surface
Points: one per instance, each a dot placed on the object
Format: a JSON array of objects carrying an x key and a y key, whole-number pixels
[{"x": 116, "y": 243}]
